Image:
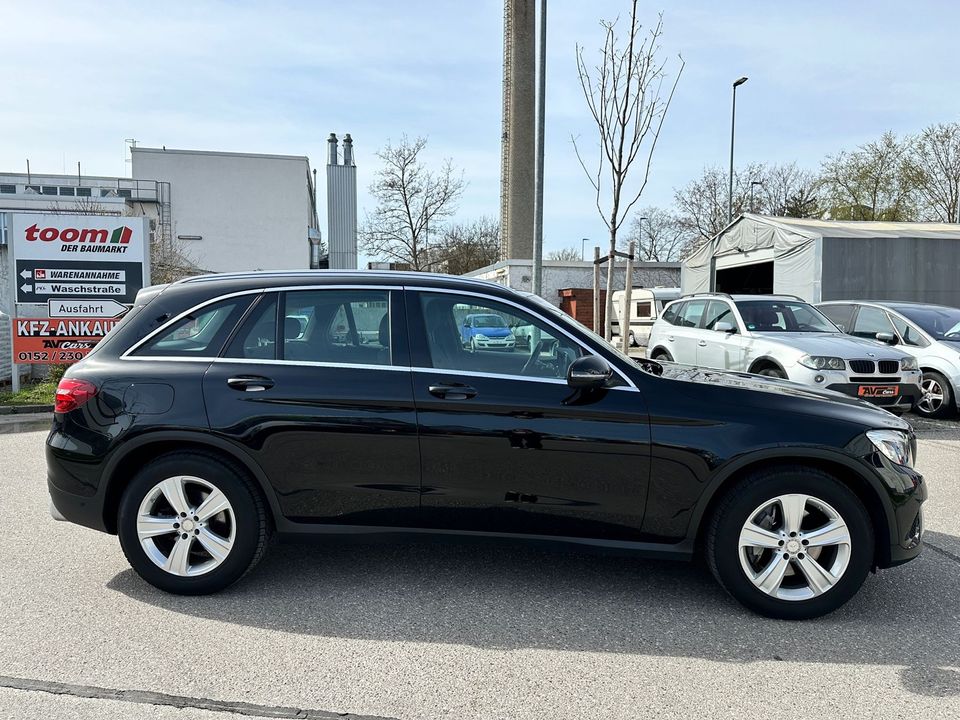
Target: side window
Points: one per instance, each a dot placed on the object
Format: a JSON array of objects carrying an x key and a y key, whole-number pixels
[
  {"x": 871, "y": 321},
  {"x": 671, "y": 314},
  {"x": 337, "y": 326},
  {"x": 200, "y": 334},
  {"x": 839, "y": 314},
  {"x": 718, "y": 311},
  {"x": 471, "y": 334},
  {"x": 643, "y": 309},
  {"x": 691, "y": 313},
  {"x": 909, "y": 335},
  {"x": 257, "y": 337}
]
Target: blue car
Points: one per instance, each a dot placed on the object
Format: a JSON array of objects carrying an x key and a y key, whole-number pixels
[{"x": 486, "y": 332}]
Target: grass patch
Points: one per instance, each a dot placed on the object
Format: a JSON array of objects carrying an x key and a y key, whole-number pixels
[{"x": 37, "y": 394}]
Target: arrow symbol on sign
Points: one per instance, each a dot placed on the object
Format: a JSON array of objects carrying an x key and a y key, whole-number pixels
[
  {"x": 27, "y": 288},
  {"x": 26, "y": 274}
]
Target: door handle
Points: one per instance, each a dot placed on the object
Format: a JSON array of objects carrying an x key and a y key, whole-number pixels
[
  {"x": 670, "y": 338},
  {"x": 250, "y": 383},
  {"x": 702, "y": 343},
  {"x": 454, "y": 391}
]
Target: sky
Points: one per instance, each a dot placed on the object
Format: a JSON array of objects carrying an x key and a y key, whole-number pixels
[{"x": 278, "y": 77}]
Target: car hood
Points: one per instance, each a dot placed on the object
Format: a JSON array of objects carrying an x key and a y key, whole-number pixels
[
  {"x": 833, "y": 344},
  {"x": 769, "y": 391},
  {"x": 492, "y": 332}
]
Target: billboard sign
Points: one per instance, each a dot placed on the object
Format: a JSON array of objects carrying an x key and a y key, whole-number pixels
[
  {"x": 48, "y": 341},
  {"x": 78, "y": 256}
]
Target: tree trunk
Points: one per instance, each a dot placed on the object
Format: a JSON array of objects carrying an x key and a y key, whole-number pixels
[{"x": 608, "y": 320}]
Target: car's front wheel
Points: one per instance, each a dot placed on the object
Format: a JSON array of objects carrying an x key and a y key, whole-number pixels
[
  {"x": 791, "y": 543},
  {"x": 937, "y": 398},
  {"x": 192, "y": 524}
]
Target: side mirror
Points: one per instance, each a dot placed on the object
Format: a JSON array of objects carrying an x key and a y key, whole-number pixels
[
  {"x": 589, "y": 371},
  {"x": 725, "y": 327},
  {"x": 886, "y": 337}
]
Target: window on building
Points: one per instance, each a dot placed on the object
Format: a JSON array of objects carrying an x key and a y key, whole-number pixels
[
  {"x": 8, "y": 189},
  {"x": 48, "y": 190},
  {"x": 67, "y": 191},
  {"x": 83, "y": 192}
]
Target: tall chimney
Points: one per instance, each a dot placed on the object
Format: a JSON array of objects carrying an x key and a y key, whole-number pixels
[
  {"x": 342, "y": 206},
  {"x": 332, "y": 149}
]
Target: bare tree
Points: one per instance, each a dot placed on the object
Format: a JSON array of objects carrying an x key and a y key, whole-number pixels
[
  {"x": 932, "y": 166},
  {"x": 564, "y": 254},
  {"x": 468, "y": 246},
  {"x": 412, "y": 202},
  {"x": 869, "y": 183},
  {"x": 659, "y": 235},
  {"x": 787, "y": 190},
  {"x": 702, "y": 203},
  {"x": 625, "y": 96}
]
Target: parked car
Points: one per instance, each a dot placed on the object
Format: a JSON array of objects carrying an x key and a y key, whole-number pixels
[
  {"x": 783, "y": 337},
  {"x": 195, "y": 448},
  {"x": 930, "y": 333},
  {"x": 487, "y": 331},
  {"x": 646, "y": 304}
]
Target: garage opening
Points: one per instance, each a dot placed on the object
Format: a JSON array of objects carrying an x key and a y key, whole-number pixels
[{"x": 754, "y": 279}]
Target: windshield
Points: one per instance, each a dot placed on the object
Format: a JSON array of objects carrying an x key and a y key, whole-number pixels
[
  {"x": 488, "y": 321},
  {"x": 783, "y": 316},
  {"x": 942, "y": 323}
]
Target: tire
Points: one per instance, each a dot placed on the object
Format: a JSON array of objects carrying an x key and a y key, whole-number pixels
[
  {"x": 773, "y": 372},
  {"x": 237, "y": 533},
  {"x": 937, "y": 400},
  {"x": 661, "y": 355},
  {"x": 795, "y": 596},
  {"x": 633, "y": 340}
]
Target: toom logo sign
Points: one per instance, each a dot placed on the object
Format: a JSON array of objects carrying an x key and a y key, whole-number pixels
[{"x": 120, "y": 235}]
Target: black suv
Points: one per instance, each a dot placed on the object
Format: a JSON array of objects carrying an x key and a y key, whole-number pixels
[{"x": 224, "y": 409}]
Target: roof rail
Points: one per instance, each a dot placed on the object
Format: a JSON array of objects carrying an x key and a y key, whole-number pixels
[{"x": 711, "y": 294}]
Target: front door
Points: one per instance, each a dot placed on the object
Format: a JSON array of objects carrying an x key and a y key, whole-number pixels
[
  {"x": 315, "y": 385},
  {"x": 720, "y": 348},
  {"x": 506, "y": 446}
]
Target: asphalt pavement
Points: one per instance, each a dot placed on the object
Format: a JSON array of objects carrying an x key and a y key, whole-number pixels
[{"x": 425, "y": 629}]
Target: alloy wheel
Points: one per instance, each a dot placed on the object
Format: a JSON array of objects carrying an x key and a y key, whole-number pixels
[
  {"x": 932, "y": 399},
  {"x": 186, "y": 526},
  {"x": 794, "y": 547}
]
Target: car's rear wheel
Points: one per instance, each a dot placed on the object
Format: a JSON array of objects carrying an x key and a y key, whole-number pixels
[
  {"x": 937, "y": 398},
  {"x": 791, "y": 543},
  {"x": 633, "y": 340},
  {"x": 192, "y": 523},
  {"x": 661, "y": 355}
]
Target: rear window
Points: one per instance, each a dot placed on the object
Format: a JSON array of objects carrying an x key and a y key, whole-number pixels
[
  {"x": 670, "y": 314},
  {"x": 199, "y": 334}
]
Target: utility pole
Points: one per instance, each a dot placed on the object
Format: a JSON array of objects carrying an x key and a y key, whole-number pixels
[
  {"x": 733, "y": 124},
  {"x": 627, "y": 303}
]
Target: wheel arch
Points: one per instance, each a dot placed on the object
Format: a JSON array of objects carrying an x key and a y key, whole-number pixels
[
  {"x": 765, "y": 361},
  {"x": 867, "y": 489},
  {"x": 137, "y": 452},
  {"x": 660, "y": 349}
]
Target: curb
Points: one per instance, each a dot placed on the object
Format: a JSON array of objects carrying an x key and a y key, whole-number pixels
[{"x": 24, "y": 409}]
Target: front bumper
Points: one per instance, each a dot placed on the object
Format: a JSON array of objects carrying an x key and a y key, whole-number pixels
[{"x": 908, "y": 394}]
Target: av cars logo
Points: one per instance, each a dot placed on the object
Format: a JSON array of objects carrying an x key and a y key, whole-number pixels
[{"x": 120, "y": 235}]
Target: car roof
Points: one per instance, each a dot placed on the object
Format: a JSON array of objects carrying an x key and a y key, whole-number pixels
[{"x": 892, "y": 304}]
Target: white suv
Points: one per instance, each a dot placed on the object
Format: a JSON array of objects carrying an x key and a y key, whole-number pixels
[{"x": 783, "y": 337}]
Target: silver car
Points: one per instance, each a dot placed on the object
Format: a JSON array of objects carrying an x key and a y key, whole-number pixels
[
  {"x": 930, "y": 333},
  {"x": 783, "y": 337}
]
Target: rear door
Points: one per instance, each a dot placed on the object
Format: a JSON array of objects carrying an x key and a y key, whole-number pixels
[
  {"x": 687, "y": 334},
  {"x": 506, "y": 445},
  {"x": 315, "y": 386}
]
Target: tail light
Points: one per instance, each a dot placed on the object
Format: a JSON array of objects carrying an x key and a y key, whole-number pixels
[{"x": 72, "y": 394}]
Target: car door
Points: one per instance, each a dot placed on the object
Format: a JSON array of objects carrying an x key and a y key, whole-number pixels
[
  {"x": 506, "y": 445},
  {"x": 315, "y": 386},
  {"x": 683, "y": 339},
  {"x": 869, "y": 321},
  {"x": 720, "y": 348}
]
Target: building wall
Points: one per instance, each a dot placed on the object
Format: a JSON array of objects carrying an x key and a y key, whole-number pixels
[
  {"x": 915, "y": 269},
  {"x": 558, "y": 275},
  {"x": 252, "y": 212}
]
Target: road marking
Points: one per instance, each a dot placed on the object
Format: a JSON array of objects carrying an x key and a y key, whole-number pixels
[{"x": 145, "y": 697}]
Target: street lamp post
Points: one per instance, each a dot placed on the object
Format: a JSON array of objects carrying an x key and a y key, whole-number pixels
[
  {"x": 733, "y": 124},
  {"x": 752, "y": 184},
  {"x": 640, "y": 231},
  {"x": 583, "y": 248}
]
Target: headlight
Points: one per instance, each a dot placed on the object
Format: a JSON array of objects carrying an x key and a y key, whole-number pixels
[
  {"x": 480, "y": 336},
  {"x": 909, "y": 363},
  {"x": 894, "y": 444},
  {"x": 821, "y": 362}
]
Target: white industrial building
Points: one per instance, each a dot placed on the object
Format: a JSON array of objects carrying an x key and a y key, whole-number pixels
[{"x": 223, "y": 211}]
